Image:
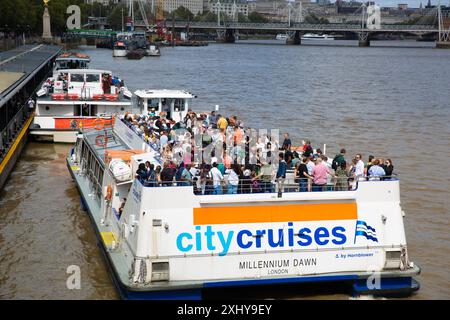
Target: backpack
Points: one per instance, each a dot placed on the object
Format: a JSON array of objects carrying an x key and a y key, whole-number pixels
[{"x": 337, "y": 161}]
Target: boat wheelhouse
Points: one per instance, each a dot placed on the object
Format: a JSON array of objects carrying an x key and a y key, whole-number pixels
[
  {"x": 167, "y": 241},
  {"x": 70, "y": 60},
  {"x": 175, "y": 103},
  {"x": 73, "y": 98}
]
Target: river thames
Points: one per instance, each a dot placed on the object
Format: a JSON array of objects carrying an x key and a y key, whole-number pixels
[{"x": 388, "y": 101}]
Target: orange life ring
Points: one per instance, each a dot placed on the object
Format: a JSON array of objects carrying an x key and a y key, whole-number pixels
[
  {"x": 101, "y": 141},
  {"x": 99, "y": 124},
  {"x": 109, "y": 192}
]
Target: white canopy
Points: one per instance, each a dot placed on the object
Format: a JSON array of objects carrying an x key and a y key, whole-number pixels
[{"x": 164, "y": 93}]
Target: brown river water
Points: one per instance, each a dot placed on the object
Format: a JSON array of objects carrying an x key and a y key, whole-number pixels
[{"x": 392, "y": 102}]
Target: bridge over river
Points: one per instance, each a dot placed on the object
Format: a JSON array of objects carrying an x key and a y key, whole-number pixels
[{"x": 226, "y": 30}]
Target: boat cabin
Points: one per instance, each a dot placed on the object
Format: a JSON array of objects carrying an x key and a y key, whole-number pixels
[
  {"x": 72, "y": 61},
  {"x": 175, "y": 103},
  {"x": 82, "y": 83}
]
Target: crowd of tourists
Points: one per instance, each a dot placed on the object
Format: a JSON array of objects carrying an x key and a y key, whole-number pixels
[{"x": 252, "y": 164}]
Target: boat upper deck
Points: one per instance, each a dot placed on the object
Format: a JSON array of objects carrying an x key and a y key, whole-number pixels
[
  {"x": 80, "y": 86},
  {"x": 96, "y": 140}
]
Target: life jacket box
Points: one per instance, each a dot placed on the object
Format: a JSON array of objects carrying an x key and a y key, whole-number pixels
[
  {"x": 58, "y": 87},
  {"x": 120, "y": 169}
]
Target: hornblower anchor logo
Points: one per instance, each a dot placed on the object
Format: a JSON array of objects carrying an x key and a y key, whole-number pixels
[{"x": 364, "y": 230}]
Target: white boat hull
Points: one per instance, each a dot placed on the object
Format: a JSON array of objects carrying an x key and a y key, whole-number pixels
[
  {"x": 119, "y": 53},
  {"x": 152, "y": 53}
]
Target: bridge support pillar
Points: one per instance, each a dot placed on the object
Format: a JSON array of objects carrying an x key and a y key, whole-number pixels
[
  {"x": 363, "y": 39},
  {"x": 443, "y": 44},
  {"x": 294, "y": 38},
  {"x": 364, "y": 43}
]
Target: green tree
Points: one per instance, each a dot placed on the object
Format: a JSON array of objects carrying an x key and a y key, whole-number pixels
[
  {"x": 115, "y": 17},
  {"x": 313, "y": 19},
  {"x": 257, "y": 17},
  {"x": 206, "y": 16},
  {"x": 183, "y": 13}
]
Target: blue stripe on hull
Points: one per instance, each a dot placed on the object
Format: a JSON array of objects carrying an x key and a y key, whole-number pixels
[
  {"x": 254, "y": 282},
  {"x": 386, "y": 286}
]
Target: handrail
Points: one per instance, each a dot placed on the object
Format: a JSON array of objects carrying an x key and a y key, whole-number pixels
[{"x": 247, "y": 186}]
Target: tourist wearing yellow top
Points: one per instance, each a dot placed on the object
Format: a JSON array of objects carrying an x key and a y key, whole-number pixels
[{"x": 222, "y": 123}]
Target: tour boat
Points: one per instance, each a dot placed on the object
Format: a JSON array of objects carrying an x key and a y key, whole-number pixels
[
  {"x": 314, "y": 36},
  {"x": 281, "y": 36},
  {"x": 120, "y": 49},
  {"x": 73, "y": 98},
  {"x": 167, "y": 242}
]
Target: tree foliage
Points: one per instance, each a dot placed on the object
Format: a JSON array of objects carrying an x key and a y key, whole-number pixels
[
  {"x": 183, "y": 13},
  {"x": 26, "y": 15},
  {"x": 312, "y": 18},
  {"x": 206, "y": 16},
  {"x": 257, "y": 17}
]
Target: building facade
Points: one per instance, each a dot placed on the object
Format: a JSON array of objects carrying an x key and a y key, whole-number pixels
[
  {"x": 228, "y": 7},
  {"x": 194, "y": 6}
]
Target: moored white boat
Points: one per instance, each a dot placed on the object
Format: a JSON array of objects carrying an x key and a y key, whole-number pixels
[
  {"x": 281, "y": 36},
  {"x": 314, "y": 36},
  {"x": 169, "y": 241},
  {"x": 120, "y": 49}
]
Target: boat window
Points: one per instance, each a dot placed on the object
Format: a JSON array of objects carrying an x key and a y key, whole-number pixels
[
  {"x": 92, "y": 77},
  {"x": 178, "y": 105},
  {"x": 153, "y": 103},
  {"x": 77, "y": 78},
  {"x": 77, "y": 110},
  {"x": 85, "y": 110}
]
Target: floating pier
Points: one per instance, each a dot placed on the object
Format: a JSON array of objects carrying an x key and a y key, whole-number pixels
[{"x": 21, "y": 72}]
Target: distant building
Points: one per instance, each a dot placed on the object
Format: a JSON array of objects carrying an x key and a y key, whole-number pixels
[
  {"x": 227, "y": 6},
  {"x": 402, "y": 6},
  {"x": 104, "y": 2},
  {"x": 429, "y": 5},
  {"x": 194, "y": 6}
]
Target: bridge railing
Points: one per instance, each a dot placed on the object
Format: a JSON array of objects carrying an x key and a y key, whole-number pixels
[{"x": 303, "y": 26}]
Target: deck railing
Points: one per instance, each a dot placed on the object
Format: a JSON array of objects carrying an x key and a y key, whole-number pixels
[{"x": 249, "y": 186}]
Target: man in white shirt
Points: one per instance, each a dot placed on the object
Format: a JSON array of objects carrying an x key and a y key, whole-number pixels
[
  {"x": 359, "y": 168},
  {"x": 217, "y": 177}
]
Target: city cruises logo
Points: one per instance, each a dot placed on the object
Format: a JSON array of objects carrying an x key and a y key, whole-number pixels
[
  {"x": 300, "y": 225},
  {"x": 364, "y": 230}
]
